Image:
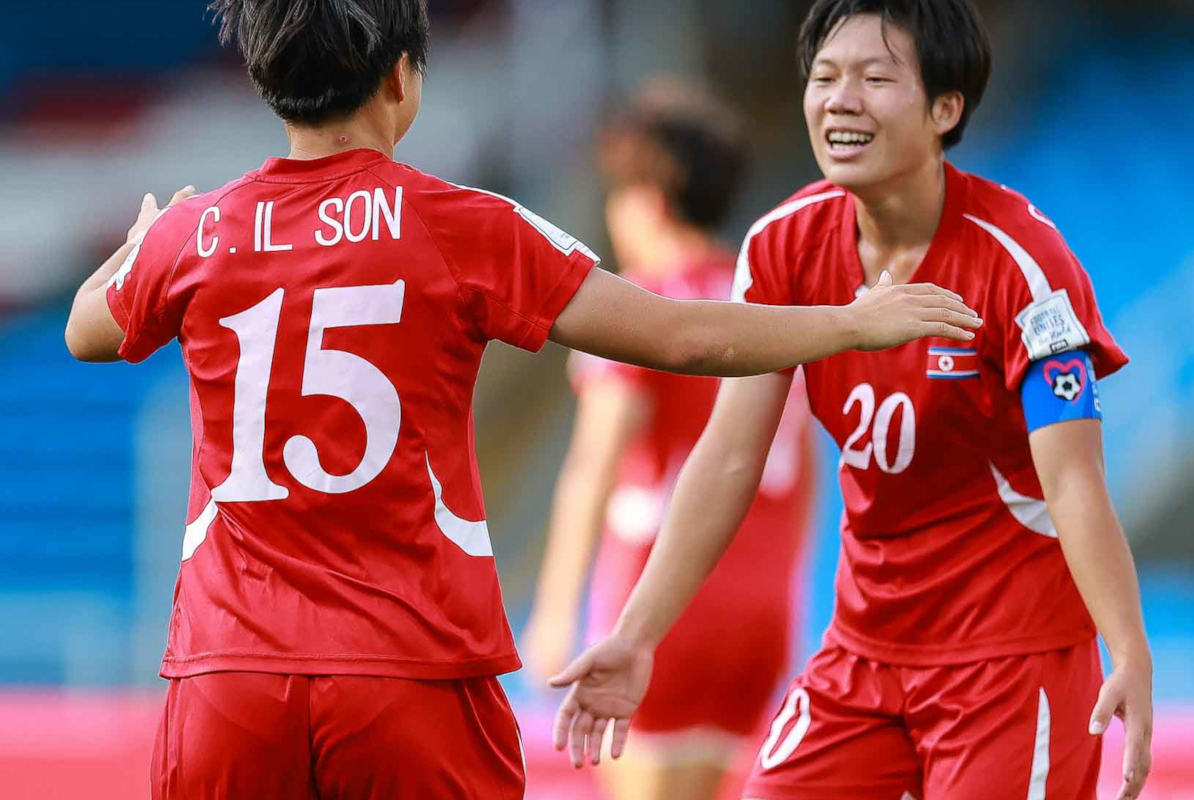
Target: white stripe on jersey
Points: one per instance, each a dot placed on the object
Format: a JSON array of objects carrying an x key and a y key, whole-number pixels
[
  {"x": 1028, "y": 511},
  {"x": 471, "y": 537},
  {"x": 743, "y": 280},
  {"x": 196, "y": 532},
  {"x": 1040, "y": 750},
  {"x": 1038, "y": 284}
]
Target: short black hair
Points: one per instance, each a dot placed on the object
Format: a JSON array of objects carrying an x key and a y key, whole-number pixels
[
  {"x": 952, "y": 47},
  {"x": 314, "y": 61},
  {"x": 686, "y": 141}
]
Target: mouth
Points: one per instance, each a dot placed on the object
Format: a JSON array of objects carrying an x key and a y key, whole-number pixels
[{"x": 844, "y": 144}]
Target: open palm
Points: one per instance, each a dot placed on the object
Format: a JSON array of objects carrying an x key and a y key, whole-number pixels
[{"x": 608, "y": 682}]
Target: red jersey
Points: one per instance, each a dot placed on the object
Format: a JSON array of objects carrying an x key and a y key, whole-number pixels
[
  {"x": 948, "y": 551},
  {"x": 332, "y": 315},
  {"x": 762, "y": 556}
]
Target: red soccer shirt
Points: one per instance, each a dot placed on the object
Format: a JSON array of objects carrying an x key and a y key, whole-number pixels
[
  {"x": 948, "y": 551},
  {"x": 760, "y": 560},
  {"x": 332, "y": 315}
]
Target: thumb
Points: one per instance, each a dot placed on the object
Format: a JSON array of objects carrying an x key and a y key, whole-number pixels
[
  {"x": 884, "y": 279},
  {"x": 1104, "y": 708},
  {"x": 149, "y": 202},
  {"x": 578, "y": 669}
]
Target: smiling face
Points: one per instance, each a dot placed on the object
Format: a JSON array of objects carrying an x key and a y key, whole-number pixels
[{"x": 865, "y": 104}]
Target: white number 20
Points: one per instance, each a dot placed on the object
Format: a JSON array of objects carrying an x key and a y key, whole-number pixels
[
  {"x": 332, "y": 373},
  {"x": 860, "y": 458}
]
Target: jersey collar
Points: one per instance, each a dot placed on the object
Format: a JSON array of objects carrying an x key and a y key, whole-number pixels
[{"x": 294, "y": 170}]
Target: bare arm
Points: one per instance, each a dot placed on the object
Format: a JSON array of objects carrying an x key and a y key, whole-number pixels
[
  {"x": 615, "y": 319},
  {"x": 1069, "y": 461},
  {"x": 92, "y": 333},
  {"x": 713, "y": 495},
  {"x": 611, "y": 412}
]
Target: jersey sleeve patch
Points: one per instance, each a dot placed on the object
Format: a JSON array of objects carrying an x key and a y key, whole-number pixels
[
  {"x": 1049, "y": 326},
  {"x": 1060, "y": 388}
]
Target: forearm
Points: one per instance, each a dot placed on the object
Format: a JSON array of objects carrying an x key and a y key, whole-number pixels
[
  {"x": 734, "y": 339},
  {"x": 713, "y": 495},
  {"x": 577, "y": 519},
  {"x": 91, "y": 334},
  {"x": 1102, "y": 566}
]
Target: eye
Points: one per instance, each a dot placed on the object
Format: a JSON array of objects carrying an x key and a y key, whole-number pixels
[
  {"x": 878, "y": 79},
  {"x": 822, "y": 80}
]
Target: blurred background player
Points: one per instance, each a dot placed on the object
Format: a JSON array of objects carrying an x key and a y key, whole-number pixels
[
  {"x": 338, "y": 626},
  {"x": 674, "y": 162},
  {"x": 981, "y": 554}
]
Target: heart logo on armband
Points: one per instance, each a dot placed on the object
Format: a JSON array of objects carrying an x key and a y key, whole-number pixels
[{"x": 1068, "y": 379}]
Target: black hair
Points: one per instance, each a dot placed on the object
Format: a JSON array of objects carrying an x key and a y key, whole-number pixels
[
  {"x": 314, "y": 61},
  {"x": 952, "y": 47},
  {"x": 684, "y": 140}
]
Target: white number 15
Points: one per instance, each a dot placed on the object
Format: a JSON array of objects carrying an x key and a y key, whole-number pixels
[{"x": 331, "y": 373}]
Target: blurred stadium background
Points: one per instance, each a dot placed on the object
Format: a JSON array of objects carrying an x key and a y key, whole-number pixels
[{"x": 1089, "y": 114}]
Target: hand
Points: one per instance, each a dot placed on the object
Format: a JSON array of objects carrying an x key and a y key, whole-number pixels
[
  {"x": 149, "y": 212},
  {"x": 608, "y": 683},
  {"x": 547, "y": 642},
  {"x": 889, "y": 315},
  {"x": 1128, "y": 694}
]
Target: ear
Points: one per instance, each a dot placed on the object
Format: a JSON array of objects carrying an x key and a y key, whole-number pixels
[
  {"x": 398, "y": 77},
  {"x": 946, "y": 112}
]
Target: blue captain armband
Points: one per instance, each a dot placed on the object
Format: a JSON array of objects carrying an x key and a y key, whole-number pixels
[{"x": 1060, "y": 388}]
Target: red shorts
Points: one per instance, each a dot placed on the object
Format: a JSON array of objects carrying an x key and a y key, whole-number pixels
[
  {"x": 1004, "y": 729},
  {"x": 296, "y": 737}
]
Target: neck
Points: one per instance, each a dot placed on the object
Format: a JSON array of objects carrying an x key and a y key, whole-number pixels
[
  {"x": 673, "y": 248},
  {"x": 326, "y": 140},
  {"x": 903, "y": 214}
]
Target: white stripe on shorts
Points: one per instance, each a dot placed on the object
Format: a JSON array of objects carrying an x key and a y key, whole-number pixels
[{"x": 1040, "y": 750}]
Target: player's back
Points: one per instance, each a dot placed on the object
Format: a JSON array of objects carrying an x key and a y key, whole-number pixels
[{"x": 332, "y": 315}]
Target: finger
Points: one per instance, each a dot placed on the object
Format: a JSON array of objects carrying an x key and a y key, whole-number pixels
[
  {"x": 181, "y": 194},
  {"x": 621, "y": 734},
  {"x": 943, "y": 301},
  {"x": 1100, "y": 718},
  {"x": 1137, "y": 759},
  {"x": 595, "y": 740},
  {"x": 564, "y": 716},
  {"x": 149, "y": 204},
  {"x": 884, "y": 279},
  {"x": 954, "y": 318},
  {"x": 578, "y": 669},
  {"x": 945, "y": 331},
  {"x": 582, "y": 727},
  {"x": 932, "y": 289}
]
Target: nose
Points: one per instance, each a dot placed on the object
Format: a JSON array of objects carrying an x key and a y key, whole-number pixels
[{"x": 844, "y": 99}]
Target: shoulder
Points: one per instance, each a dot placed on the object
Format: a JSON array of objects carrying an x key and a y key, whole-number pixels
[
  {"x": 804, "y": 212},
  {"x": 1024, "y": 244}
]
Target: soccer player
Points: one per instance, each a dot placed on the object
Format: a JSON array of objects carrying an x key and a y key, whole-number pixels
[
  {"x": 980, "y": 550},
  {"x": 337, "y": 623},
  {"x": 673, "y": 161}
]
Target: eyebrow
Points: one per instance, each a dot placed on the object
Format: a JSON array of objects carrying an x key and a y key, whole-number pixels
[{"x": 866, "y": 62}]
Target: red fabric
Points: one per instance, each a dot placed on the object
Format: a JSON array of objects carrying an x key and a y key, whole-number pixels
[
  {"x": 935, "y": 568},
  {"x": 861, "y": 730},
  {"x": 236, "y": 734},
  {"x": 297, "y": 573},
  {"x": 745, "y": 606}
]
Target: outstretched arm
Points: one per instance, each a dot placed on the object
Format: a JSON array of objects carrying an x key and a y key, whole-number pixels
[
  {"x": 713, "y": 495},
  {"x": 615, "y": 319},
  {"x": 1069, "y": 462},
  {"x": 610, "y": 413}
]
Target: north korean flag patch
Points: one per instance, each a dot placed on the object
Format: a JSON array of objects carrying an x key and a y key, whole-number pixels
[{"x": 952, "y": 363}]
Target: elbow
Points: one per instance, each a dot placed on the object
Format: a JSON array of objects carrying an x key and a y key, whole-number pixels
[
  {"x": 695, "y": 352},
  {"x": 81, "y": 349}
]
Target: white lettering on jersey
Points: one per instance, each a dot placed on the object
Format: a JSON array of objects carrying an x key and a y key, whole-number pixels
[
  {"x": 205, "y": 252},
  {"x": 360, "y": 216},
  {"x": 743, "y": 279},
  {"x": 263, "y": 224}
]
